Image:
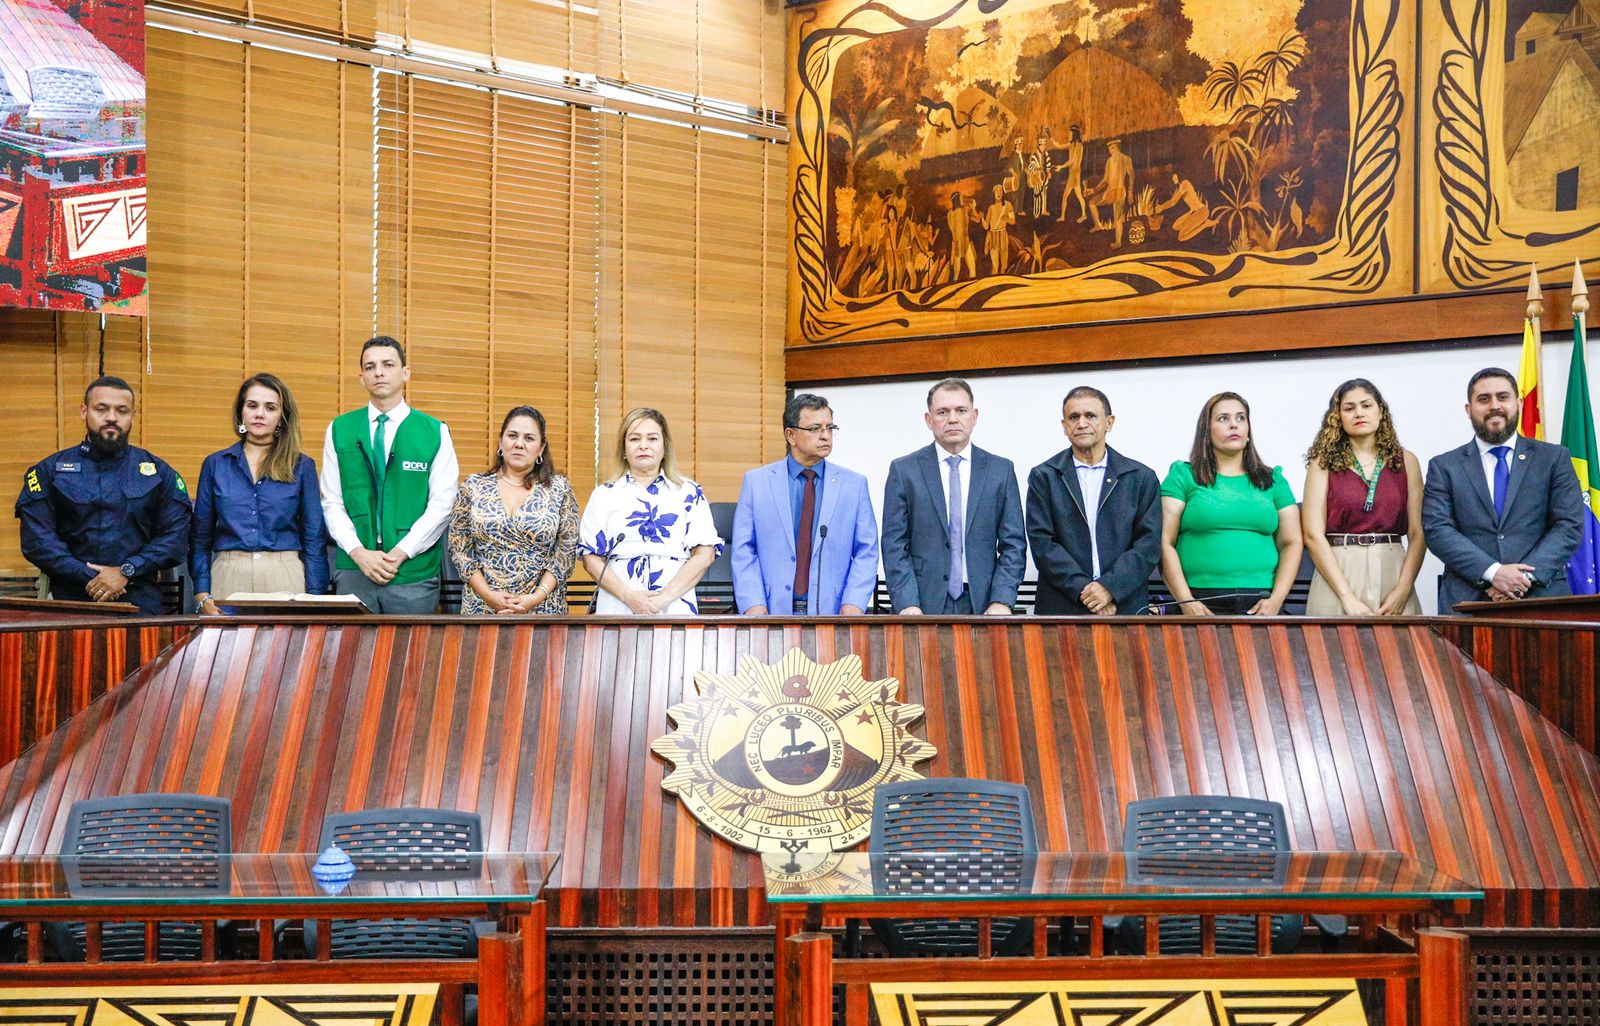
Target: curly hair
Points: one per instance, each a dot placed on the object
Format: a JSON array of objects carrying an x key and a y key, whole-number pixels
[{"x": 1330, "y": 450}]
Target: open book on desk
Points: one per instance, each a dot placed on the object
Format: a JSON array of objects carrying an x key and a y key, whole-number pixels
[{"x": 267, "y": 603}]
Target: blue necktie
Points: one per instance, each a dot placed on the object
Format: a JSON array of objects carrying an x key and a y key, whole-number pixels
[
  {"x": 958, "y": 560},
  {"x": 1502, "y": 478}
]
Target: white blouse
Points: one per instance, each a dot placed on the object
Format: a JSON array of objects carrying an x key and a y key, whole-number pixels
[{"x": 645, "y": 531}]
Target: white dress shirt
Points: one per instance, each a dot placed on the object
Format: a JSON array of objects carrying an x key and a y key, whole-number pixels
[
  {"x": 964, "y": 471},
  {"x": 444, "y": 476},
  {"x": 1091, "y": 479},
  {"x": 1488, "y": 460}
]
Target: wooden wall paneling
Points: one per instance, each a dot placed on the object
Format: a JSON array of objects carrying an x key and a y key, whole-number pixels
[
  {"x": 542, "y": 315},
  {"x": 50, "y": 674},
  {"x": 199, "y": 243},
  {"x": 660, "y": 222},
  {"x": 457, "y": 29},
  {"x": 392, "y": 209},
  {"x": 729, "y": 414},
  {"x": 544, "y": 728},
  {"x": 27, "y": 349},
  {"x": 738, "y": 48},
  {"x": 448, "y": 259},
  {"x": 661, "y": 43},
  {"x": 1423, "y": 319},
  {"x": 302, "y": 148},
  {"x": 1554, "y": 666},
  {"x": 562, "y": 34}
]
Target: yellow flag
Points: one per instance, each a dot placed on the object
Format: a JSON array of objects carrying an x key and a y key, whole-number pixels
[{"x": 1532, "y": 423}]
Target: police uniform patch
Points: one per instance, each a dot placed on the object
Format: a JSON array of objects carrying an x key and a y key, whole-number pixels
[
  {"x": 68, "y": 468},
  {"x": 181, "y": 486},
  {"x": 33, "y": 481},
  {"x": 147, "y": 469}
]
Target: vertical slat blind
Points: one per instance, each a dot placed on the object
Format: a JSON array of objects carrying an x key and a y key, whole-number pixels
[{"x": 529, "y": 251}]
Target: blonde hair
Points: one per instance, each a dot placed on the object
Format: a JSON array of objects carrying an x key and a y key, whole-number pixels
[{"x": 633, "y": 417}]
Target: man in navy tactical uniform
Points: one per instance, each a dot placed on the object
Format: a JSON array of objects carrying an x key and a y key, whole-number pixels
[{"x": 103, "y": 517}]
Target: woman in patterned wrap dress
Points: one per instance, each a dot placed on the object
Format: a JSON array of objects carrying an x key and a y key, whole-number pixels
[{"x": 514, "y": 529}]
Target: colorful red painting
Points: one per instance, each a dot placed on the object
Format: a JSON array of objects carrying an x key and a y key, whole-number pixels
[{"x": 72, "y": 155}]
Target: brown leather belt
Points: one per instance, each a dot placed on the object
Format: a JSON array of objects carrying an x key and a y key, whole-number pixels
[{"x": 1365, "y": 539}]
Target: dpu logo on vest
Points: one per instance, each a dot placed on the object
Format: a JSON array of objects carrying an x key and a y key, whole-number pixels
[{"x": 421, "y": 465}]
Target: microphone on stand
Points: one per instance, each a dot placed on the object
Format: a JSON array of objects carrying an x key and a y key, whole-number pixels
[
  {"x": 1157, "y": 607},
  {"x": 822, "y": 539},
  {"x": 606, "y": 566}
]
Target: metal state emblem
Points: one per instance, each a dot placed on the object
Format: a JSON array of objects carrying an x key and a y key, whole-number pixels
[{"x": 784, "y": 758}]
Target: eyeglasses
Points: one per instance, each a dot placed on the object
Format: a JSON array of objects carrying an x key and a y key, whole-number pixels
[{"x": 820, "y": 429}]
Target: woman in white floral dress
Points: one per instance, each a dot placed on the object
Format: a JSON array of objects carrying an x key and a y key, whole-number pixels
[
  {"x": 514, "y": 530},
  {"x": 647, "y": 535}
]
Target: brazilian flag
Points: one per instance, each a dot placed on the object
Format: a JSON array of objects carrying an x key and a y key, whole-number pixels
[{"x": 1577, "y": 434}]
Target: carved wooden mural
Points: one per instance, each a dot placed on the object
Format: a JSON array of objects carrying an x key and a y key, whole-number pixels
[{"x": 983, "y": 165}]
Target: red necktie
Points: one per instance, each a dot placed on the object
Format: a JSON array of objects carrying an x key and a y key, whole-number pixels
[{"x": 802, "y": 545}]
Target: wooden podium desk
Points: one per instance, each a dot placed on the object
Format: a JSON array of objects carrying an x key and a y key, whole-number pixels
[
  {"x": 1559, "y": 608},
  {"x": 104, "y": 890},
  {"x": 1365, "y": 887}
]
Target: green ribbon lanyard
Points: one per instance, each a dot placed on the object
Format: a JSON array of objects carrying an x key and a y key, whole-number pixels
[{"x": 1372, "y": 482}]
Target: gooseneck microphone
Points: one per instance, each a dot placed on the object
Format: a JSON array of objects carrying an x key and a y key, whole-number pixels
[{"x": 1157, "y": 607}]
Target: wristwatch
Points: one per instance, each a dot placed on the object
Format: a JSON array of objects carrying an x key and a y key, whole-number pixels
[
  {"x": 128, "y": 570},
  {"x": 200, "y": 605}
]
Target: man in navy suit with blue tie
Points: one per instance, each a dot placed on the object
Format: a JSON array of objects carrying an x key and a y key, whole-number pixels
[
  {"x": 1503, "y": 513},
  {"x": 953, "y": 538}
]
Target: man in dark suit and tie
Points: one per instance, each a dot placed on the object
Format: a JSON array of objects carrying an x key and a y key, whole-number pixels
[
  {"x": 953, "y": 540},
  {"x": 1094, "y": 518},
  {"x": 1504, "y": 513}
]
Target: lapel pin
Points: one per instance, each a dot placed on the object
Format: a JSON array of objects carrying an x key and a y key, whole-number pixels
[{"x": 1522, "y": 455}]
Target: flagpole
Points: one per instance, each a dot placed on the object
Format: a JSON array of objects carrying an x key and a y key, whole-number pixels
[
  {"x": 1578, "y": 435},
  {"x": 1530, "y": 371},
  {"x": 1580, "y": 304}
]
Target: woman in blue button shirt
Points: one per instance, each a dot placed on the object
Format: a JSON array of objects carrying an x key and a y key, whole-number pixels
[{"x": 257, "y": 510}]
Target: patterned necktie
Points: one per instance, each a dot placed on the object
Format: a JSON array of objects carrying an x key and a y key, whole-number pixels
[
  {"x": 380, "y": 457},
  {"x": 802, "y": 545},
  {"x": 1502, "y": 478},
  {"x": 958, "y": 559}
]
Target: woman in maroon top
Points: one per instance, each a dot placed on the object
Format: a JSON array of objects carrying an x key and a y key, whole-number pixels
[{"x": 1363, "y": 498}]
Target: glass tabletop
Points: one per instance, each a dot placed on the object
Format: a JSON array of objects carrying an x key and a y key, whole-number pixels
[
  {"x": 490, "y": 878},
  {"x": 1097, "y": 877}
]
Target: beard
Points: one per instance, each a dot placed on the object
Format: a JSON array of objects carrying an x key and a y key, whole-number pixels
[
  {"x": 114, "y": 444},
  {"x": 1497, "y": 437}
]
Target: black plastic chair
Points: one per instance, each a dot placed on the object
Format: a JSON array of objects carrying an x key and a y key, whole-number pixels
[
  {"x": 1239, "y": 840},
  {"x": 404, "y": 844},
  {"x": 984, "y": 828},
  {"x": 185, "y": 832},
  {"x": 714, "y": 593}
]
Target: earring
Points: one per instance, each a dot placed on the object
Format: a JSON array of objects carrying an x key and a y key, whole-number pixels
[
  {"x": 241, "y": 429},
  {"x": 539, "y": 461},
  {"x": 277, "y": 431},
  {"x": 499, "y": 454}
]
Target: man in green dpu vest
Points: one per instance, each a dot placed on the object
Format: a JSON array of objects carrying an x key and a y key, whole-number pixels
[{"x": 389, "y": 477}]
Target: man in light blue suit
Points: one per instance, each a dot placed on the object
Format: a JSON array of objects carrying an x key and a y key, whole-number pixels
[{"x": 804, "y": 537}]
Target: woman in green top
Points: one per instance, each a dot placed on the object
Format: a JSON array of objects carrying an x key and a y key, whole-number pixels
[{"x": 1230, "y": 530}]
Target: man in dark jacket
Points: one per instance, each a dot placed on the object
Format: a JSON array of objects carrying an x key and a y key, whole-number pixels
[
  {"x": 1094, "y": 518},
  {"x": 953, "y": 540},
  {"x": 1503, "y": 513}
]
